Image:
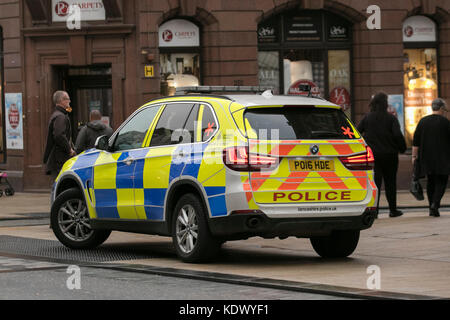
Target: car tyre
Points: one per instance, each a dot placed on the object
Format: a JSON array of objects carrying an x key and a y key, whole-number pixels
[
  {"x": 190, "y": 233},
  {"x": 69, "y": 220},
  {"x": 340, "y": 244}
]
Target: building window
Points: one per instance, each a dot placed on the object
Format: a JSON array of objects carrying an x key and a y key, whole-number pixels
[
  {"x": 307, "y": 47},
  {"x": 420, "y": 67},
  {"x": 2, "y": 105},
  {"x": 179, "y": 47}
]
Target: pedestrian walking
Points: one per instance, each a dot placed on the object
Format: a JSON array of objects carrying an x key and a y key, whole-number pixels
[
  {"x": 431, "y": 148},
  {"x": 89, "y": 133},
  {"x": 59, "y": 147},
  {"x": 381, "y": 130}
]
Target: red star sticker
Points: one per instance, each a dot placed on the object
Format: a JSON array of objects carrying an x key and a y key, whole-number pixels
[
  {"x": 210, "y": 129},
  {"x": 347, "y": 132}
]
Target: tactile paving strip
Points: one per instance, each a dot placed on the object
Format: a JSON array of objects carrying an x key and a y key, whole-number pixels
[{"x": 55, "y": 250}]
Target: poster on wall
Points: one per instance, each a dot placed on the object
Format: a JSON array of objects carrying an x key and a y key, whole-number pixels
[
  {"x": 268, "y": 66},
  {"x": 339, "y": 79},
  {"x": 396, "y": 107},
  {"x": 14, "y": 122}
]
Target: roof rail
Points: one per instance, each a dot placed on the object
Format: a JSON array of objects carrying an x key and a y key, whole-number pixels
[{"x": 222, "y": 89}]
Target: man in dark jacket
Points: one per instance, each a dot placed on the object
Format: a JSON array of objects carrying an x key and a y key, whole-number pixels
[
  {"x": 89, "y": 133},
  {"x": 381, "y": 130},
  {"x": 59, "y": 144},
  {"x": 431, "y": 147}
]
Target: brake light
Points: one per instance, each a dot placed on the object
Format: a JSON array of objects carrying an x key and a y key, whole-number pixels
[
  {"x": 239, "y": 159},
  {"x": 363, "y": 161}
]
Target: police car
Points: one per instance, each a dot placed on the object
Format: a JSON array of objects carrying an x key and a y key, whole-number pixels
[{"x": 205, "y": 169}]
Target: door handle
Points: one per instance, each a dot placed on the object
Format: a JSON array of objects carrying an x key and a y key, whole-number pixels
[{"x": 129, "y": 161}]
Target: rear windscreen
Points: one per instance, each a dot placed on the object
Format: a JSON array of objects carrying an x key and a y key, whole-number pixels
[{"x": 293, "y": 123}]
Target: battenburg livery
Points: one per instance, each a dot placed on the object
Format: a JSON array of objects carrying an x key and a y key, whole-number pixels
[{"x": 207, "y": 169}]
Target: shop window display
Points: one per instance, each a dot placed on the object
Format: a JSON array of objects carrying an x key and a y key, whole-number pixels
[
  {"x": 307, "y": 47},
  {"x": 420, "y": 86},
  {"x": 179, "y": 70}
]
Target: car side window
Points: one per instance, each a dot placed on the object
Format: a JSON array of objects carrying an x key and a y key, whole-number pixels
[
  {"x": 189, "y": 127},
  {"x": 133, "y": 133},
  {"x": 209, "y": 125},
  {"x": 170, "y": 127}
]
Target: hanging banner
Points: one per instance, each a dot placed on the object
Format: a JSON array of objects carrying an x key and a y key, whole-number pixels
[{"x": 14, "y": 123}]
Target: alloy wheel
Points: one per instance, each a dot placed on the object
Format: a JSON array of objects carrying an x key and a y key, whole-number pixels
[
  {"x": 187, "y": 228},
  {"x": 73, "y": 220}
]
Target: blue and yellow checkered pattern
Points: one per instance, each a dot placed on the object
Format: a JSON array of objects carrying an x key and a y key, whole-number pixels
[{"x": 123, "y": 189}]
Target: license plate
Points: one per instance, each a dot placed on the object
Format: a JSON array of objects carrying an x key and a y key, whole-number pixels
[{"x": 311, "y": 165}]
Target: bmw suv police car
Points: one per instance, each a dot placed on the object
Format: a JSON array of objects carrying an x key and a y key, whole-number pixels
[{"x": 205, "y": 169}]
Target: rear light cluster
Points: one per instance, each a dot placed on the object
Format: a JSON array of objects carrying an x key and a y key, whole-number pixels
[
  {"x": 363, "y": 161},
  {"x": 239, "y": 159}
]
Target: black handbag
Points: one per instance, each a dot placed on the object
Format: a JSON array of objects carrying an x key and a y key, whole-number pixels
[{"x": 416, "y": 188}]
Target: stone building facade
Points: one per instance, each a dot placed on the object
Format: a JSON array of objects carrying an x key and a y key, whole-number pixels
[{"x": 124, "y": 53}]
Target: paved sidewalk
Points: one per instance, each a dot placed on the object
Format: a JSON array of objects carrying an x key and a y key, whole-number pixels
[
  {"x": 28, "y": 203},
  {"x": 412, "y": 251}
]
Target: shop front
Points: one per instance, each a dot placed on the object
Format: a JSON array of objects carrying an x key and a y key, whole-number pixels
[
  {"x": 307, "y": 47},
  {"x": 179, "y": 52},
  {"x": 420, "y": 67},
  {"x": 89, "y": 63}
]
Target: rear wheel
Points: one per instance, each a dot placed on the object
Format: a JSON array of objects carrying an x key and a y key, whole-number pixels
[
  {"x": 69, "y": 219},
  {"x": 190, "y": 234},
  {"x": 340, "y": 244},
  {"x": 9, "y": 192}
]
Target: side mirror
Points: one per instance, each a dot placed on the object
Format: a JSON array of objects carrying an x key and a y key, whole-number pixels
[{"x": 102, "y": 143}]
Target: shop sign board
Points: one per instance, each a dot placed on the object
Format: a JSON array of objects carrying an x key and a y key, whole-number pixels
[
  {"x": 268, "y": 32},
  {"x": 419, "y": 29},
  {"x": 179, "y": 33},
  {"x": 307, "y": 27},
  {"x": 90, "y": 10},
  {"x": 337, "y": 29},
  {"x": 14, "y": 121}
]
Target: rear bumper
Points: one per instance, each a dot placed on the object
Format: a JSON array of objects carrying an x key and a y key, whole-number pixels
[{"x": 242, "y": 226}]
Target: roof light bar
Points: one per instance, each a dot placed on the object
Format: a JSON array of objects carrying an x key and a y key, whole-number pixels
[{"x": 221, "y": 89}]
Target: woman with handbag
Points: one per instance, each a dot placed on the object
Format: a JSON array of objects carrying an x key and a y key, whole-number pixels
[
  {"x": 381, "y": 130},
  {"x": 431, "y": 148}
]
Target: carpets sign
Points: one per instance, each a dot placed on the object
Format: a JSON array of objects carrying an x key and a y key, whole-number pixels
[
  {"x": 179, "y": 33},
  {"x": 419, "y": 29},
  {"x": 90, "y": 10}
]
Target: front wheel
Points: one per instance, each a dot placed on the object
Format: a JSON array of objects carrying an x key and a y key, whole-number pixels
[
  {"x": 190, "y": 234},
  {"x": 69, "y": 219},
  {"x": 340, "y": 244}
]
